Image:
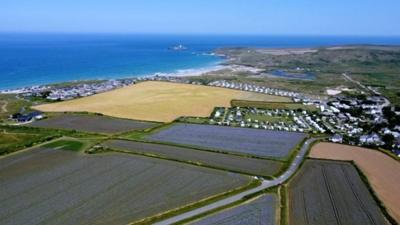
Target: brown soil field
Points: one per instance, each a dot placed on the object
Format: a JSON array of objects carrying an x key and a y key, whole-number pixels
[
  {"x": 382, "y": 171},
  {"x": 157, "y": 101}
]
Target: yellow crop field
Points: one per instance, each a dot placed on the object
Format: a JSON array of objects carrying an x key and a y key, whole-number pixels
[{"x": 157, "y": 101}]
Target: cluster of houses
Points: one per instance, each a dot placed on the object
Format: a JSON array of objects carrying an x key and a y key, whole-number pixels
[
  {"x": 32, "y": 89},
  {"x": 253, "y": 88},
  {"x": 349, "y": 116},
  {"x": 345, "y": 118},
  {"x": 70, "y": 91},
  {"x": 27, "y": 117},
  {"x": 268, "y": 119},
  {"x": 82, "y": 90}
]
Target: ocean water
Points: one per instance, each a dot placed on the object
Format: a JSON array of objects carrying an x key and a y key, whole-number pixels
[{"x": 34, "y": 59}]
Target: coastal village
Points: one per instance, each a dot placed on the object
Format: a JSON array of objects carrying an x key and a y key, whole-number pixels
[{"x": 350, "y": 120}]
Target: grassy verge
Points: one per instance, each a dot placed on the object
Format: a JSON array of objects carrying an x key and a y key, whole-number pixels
[
  {"x": 284, "y": 216},
  {"x": 291, "y": 157},
  {"x": 194, "y": 163},
  {"x": 364, "y": 178},
  {"x": 140, "y": 136},
  {"x": 244, "y": 200},
  {"x": 381, "y": 205},
  {"x": 72, "y": 144},
  {"x": 69, "y": 145},
  {"x": 14, "y": 138},
  {"x": 272, "y": 105},
  {"x": 204, "y": 202}
]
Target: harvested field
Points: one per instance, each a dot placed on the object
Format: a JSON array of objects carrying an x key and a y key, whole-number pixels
[
  {"x": 263, "y": 143},
  {"x": 48, "y": 186},
  {"x": 381, "y": 170},
  {"x": 217, "y": 160},
  {"x": 157, "y": 101},
  {"x": 92, "y": 123},
  {"x": 260, "y": 211},
  {"x": 331, "y": 193}
]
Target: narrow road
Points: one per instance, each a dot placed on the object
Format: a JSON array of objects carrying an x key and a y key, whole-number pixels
[
  {"x": 385, "y": 104},
  {"x": 265, "y": 184}
]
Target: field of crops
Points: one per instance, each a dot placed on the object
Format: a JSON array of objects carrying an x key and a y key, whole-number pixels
[
  {"x": 92, "y": 123},
  {"x": 157, "y": 101},
  {"x": 327, "y": 192},
  {"x": 217, "y": 160},
  {"x": 380, "y": 169},
  {"x": 48, "y": 186},
  {"x": 260, "y": 211},
  {"x": 256, "y": 142}
]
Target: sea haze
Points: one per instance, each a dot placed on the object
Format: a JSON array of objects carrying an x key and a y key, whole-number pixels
[{"x": 33, "y": 59}]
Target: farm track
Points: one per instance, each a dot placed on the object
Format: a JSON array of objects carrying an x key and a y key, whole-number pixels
[
  {"x": 330, "y": 194},
  {"x": 305, "y": 214},
  {"x": 4, "y": 106},
  {"x": 227, "y": 201},
  {"x": 379, "y": 168},
  {"x": 365, "y": 210}
]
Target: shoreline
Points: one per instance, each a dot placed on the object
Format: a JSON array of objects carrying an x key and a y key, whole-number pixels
[{"x": 178, "y": 73}]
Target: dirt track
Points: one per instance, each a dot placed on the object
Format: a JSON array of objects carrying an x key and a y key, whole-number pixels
[
  {"x": 381, "y": 170},
  {"x": 4, "y": 106}
]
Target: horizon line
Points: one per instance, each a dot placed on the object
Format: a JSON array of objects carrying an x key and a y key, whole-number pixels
[{"x": 196, "y": 34}]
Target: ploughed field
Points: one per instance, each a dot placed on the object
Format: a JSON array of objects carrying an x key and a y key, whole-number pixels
[
  {"x": 261, "y": 211},
  {"x": 48, "y": 186},
  {"x": 331, "y": 193},
  {"x": 157, "y": 101},
  {"x": 381, "y": 170},
  {"x": 234, "y": 163},
  {"x": 92, "y": 123},
  {"x": 257, "y": 142}
]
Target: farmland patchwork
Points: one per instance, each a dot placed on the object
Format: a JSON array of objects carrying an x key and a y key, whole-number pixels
[
  {"x": 48, "y": 186},
  {"x": 257, "y": 142},
  {"x": 327, "y": 192}
]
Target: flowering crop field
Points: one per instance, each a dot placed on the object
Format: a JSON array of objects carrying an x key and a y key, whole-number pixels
[
  {"x": 258, "y": 142},
  {"x": 261, "y": 211},
  {"x": 49, "y": 186}
]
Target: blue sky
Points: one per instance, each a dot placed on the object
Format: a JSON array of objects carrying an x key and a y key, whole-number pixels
[{"x": 271, "y": 17}]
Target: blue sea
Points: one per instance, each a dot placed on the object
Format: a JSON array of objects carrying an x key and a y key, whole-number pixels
[{"x": 35, "y": 59}]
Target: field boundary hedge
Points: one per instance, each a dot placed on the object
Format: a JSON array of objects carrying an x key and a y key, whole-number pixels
[
  {"x": 203, "y": 202},
  {"x": 193, "y": 163}
]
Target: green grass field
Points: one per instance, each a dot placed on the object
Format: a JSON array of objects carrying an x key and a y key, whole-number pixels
[
  {"x": 69, "y": 145},
  {"x": 10, "y": 104},
  {"x": 266, "y": 118},
  {"x": 272, "y": 105},
  {"x": 13, "y": 138}
]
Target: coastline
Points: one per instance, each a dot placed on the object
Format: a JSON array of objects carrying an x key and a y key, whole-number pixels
[{"x": 219, "y": 65}]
